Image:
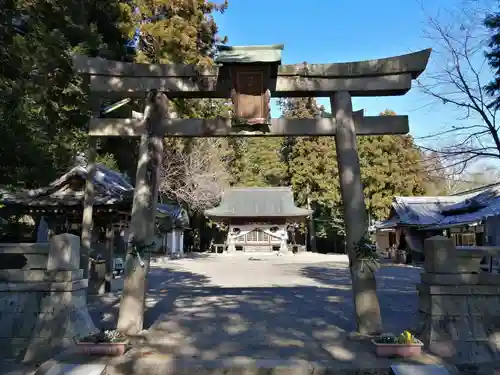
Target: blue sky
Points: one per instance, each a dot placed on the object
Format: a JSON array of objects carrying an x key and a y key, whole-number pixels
[{"x": 326, "y": 31}]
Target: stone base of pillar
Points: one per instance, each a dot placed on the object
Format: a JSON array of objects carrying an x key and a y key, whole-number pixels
[
  {"x": 460, "y": 321},
  {"x": 41, "y": 313}
]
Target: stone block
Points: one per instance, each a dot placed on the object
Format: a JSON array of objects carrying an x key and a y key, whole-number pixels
[
  {"x": 469, "y": 261},
  {"x": 35, "y": 255},
  {"x": 13, "y": 348},
  {"x": 39, "y": 275},
  {"x": 41, "y": 349},
  {"x": 473, "y": 352},
  {"x": 487, "y": 278},
  {"x": 36, "y": 261},
  {"x": 447, "y": 305},
  {"x": 78, "y": 369},
  {"x": 54, "y": 301},
  {"x": 17, "y": 325},
  {"x": 64, "y": 252},
  {"x": 24, "y": 324},
  {"x": 45, "y": 286},
  {"x": 460, "y": 339},
  {"x": 19, "y": 302},
  {"x": 462, "y": 290},
  {"x": 450, "y": 279},
  {"x": 407, "y": 369},
  {"x": 440, "y": 255},
  {"x": 483, "y": 305},
  {"x": 58, "y": 329},
  {"x": 6, "y": 325}
]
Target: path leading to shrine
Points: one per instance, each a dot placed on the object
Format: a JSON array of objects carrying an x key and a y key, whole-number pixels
[{"x": 265, "y": 306}]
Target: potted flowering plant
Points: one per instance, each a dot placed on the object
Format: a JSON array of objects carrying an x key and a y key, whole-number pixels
[
  {"x": 403, "y": 345},
  {"x": 112, "y": 343}
]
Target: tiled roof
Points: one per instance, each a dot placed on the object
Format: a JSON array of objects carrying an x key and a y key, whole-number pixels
[
  {"x": 258, "y": 202},
  {"x": 178, "y": 215},
  {"x": 110, "y": 187},
  {"x": 446, "y": 211}
]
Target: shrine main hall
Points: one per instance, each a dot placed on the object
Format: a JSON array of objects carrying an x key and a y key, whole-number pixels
[{"x": 258, "y": 219}]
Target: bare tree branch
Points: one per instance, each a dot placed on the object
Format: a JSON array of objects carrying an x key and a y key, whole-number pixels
[
  {"x": 195, "y": 175},
  {"x": 459, "y": 78}
]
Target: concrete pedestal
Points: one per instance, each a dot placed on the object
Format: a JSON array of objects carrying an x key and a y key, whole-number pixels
[
  {"x": 43, "y": 310},
  {"x": 459, "y": 309},
  {"x": 459, "y": 322}
]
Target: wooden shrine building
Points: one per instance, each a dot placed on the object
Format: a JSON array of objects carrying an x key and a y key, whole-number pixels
[
  {"x": 258, "y": 218},
  {"x": 60, "y": 204},
  {"x": 58, "y": 207}
]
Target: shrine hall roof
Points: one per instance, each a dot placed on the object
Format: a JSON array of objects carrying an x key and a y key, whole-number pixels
[
  {"x": 110, "y": 188},
  {"x": 258, "y": 202},
  {"x": 249, "y": 54}
]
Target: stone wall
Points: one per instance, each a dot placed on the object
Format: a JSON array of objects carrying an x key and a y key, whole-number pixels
[
  {"x": 43, "y": 305},
  {"x": 459, "y": 305}
]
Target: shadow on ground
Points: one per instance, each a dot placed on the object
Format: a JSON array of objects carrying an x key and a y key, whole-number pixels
[
  {"x": 396, "y": 289},
  {"x": 104, "y": 309},
  {"x": 187, "y": 318}
]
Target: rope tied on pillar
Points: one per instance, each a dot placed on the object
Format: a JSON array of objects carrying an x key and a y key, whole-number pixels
[
  {"x": 366, "y": 255},
  {"x": 138, "y": 248}
]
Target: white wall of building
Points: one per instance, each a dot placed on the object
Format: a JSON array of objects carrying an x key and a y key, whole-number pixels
[{"x": 174, "y": 242}]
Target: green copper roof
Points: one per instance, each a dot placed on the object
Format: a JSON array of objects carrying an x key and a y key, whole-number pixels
[
  {"x": 258, "y": 202},
  {"x": 249, "y": 54}
]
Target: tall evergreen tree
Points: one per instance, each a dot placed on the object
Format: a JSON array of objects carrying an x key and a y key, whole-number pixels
[
  {"x": 492, "y": 22},
  {"x": 44, "y": 106},
  {"x": 390, "y": 165},
  {"x": 312, "y": 173}
]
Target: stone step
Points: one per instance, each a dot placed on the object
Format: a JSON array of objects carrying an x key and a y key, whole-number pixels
[
  {"x": 404, "y": 369},
  {"x": 163, "y": 364},
  {"x": 75, "y": 369}
]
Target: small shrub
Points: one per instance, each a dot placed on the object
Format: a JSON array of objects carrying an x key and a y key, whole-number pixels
[
  {"x": 105, "y": 336},
  {"x": 404, "y": 338}
]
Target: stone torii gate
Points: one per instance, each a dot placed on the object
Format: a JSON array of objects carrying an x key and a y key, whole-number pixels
[{"x": 250, "y": 76}]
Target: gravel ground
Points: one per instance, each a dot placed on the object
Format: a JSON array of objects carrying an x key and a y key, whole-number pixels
[{"x": 263, "y": 305}]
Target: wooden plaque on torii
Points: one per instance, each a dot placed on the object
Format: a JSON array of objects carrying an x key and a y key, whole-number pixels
[{"x": 252, "y": 71}]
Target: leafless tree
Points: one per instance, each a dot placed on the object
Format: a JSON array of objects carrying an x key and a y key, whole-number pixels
[
  {"x": 456, "y": 78},
  {"x": 446, "y": 176},
  {"x": 195, "y": 174}
]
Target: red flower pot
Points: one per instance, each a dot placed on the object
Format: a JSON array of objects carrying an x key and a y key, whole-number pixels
[
  {"x": 398, "y": 350},
  {"x": 114, "y": 349}
]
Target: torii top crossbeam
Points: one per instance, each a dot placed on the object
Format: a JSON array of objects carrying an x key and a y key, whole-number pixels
[
  {"x": 381, "y": 77},
  {"x": 250, "y": 76}
]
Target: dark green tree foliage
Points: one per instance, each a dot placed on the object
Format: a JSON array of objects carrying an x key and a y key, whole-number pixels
[
  {"x": 390, "y": 165},
  {"x": 313, "y": 173},
  {"x": 257, "y": 162},
  {"x": 182, "y": 31},
  {"x": 492, "y": 22},
  {"x": 43, "y": 104},
  {"x": 170, "y": 31}
]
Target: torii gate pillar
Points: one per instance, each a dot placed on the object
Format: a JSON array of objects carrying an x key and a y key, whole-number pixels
[{"x": 355, "y": 218}]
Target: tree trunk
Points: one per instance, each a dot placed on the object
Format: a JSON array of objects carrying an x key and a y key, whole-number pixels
[
  {"x": 364, "y": 287},
  {"x": 311, "y": 228},
  {"x": 88, "y": 199},
  {"x": 109, "y": 257},
  {"x": 142, "y": 225}
]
